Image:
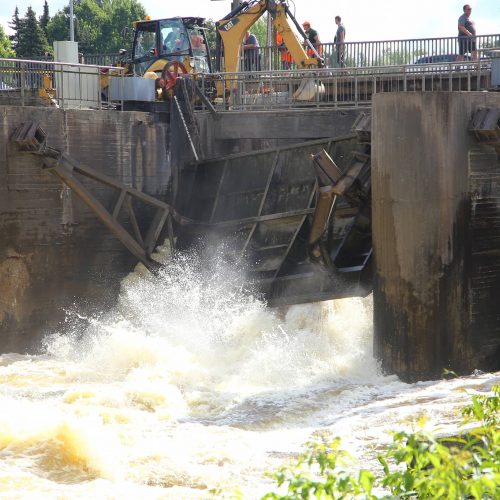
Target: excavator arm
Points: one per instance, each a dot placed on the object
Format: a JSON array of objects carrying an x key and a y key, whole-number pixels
[{"x": 233, "y": 27}]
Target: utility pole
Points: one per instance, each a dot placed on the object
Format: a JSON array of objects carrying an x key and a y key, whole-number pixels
[{"x": 71, "y": 25}]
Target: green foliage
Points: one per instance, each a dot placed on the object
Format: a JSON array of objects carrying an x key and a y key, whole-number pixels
[
  {"x": 211, "y": 33},
  {"x": 5, "y": 48},
  {"x": 58, "y": 26},
  {"x": 415, "y": 465},
  {"x": 259, "y": 29},
  {"x": 31, "y": 39},
  {"x": 98, "y": 24},
  {"x": 121, "y": 14},
  {"x": 320, "y": 473},
  {"x": 484, "y": 409},
  {"x": 45, "y": 17},
  {"x": 15, "y": 25},
  {"x": 395, "y": 57}
]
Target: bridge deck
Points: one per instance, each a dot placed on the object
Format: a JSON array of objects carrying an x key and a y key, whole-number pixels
[{"x": 78, "y": 85}]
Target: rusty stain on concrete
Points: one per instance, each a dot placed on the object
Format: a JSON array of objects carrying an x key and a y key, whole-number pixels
[{"x": 14, "y": 281}]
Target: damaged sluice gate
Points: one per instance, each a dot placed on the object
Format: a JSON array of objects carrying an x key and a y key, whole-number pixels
[{"x": 298, "y": 217}]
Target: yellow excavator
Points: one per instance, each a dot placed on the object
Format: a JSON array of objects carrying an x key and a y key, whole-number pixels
[{"x": 232, "y": 28}]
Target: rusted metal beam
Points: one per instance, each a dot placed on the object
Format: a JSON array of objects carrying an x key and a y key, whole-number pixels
[
  {"x": 263, "y": 201},
  {"x": 363, "y": 127},
  {"x": 133, "y": 222},
  {"x": 296, "y": 232},
  {"x": 155, "y": 229},
  {"x": 324, "y": 206},
  {"x": 326, "y": 169},
  {"x": 119, "y": 203},
  {"x": 65, "y": 174},
  {"x": 485, "y": 125},
  {"x": 30, "y": 137}
]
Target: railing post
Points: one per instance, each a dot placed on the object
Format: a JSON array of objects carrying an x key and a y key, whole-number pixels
[
  {"x": 122, "y": 84},
  {"x": 60, "y": 90},
  {"x": 356, "y": 88},
  {"x": 23, "y": 81},
  {"x": 478, "y": 73}
]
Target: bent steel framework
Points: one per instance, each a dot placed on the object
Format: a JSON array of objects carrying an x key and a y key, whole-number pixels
[{"x": 268, "y": 206}]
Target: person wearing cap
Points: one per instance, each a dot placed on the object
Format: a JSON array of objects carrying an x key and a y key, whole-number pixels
[{"x": 313, "y": 37}]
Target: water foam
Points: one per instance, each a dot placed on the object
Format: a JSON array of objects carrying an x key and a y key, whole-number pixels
[{"x": 189, "y": 383}]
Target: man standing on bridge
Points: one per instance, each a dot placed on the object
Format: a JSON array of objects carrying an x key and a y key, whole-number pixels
[
  {"x": 466, "y": 35},
  {"x": 339, "y": 42}
]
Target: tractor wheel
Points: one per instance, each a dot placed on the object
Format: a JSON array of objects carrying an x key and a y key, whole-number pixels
[{"x": 169, "y": 75}]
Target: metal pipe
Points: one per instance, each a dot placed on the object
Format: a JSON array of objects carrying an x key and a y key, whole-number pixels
[{"x": 71, "y": 24}]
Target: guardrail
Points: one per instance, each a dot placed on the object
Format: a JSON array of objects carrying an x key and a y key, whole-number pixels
[
  {"x": 67, "y": 85},
  {"x": 111, "y": 59},
  {"x": 381, "y": 53},
  {"x": 349, "y": 87},
  {"x": 360, "y": 54},
  {"x": 71, "y": 85}
]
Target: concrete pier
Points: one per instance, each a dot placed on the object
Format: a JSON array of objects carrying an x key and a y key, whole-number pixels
[{"x": 436, "y": 226}]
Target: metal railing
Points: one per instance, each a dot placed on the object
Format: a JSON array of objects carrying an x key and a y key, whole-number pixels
[
  {"x": 111, "y": 59},
  {"x": 383, "y": 53},
  {"x": 349, "y": 87},
  {"x": 67, "y": 85},
  {"x": 24, "y": 82},
  {"x": 359, "y": 54},
  {"x": 410, "y": 51}
]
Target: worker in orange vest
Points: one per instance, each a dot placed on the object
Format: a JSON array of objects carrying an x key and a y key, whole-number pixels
[{"x": 286, "y": 57}]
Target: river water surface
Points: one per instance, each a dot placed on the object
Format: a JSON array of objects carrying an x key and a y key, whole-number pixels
[{"x": 192, "y": 386}]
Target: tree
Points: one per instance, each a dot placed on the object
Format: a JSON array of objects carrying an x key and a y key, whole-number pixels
[
  {"x": 15, "y": 26},
  {"x": 98, "y": 24},
  {"x": 5, "y": 48},
  {"x": 32, "y": 41},
  {"x": 121, "y": 13},
  {"x": 211, "y": 34},
  {"x": 45, "y": 17},
  {"x": 259, "y": 29}
]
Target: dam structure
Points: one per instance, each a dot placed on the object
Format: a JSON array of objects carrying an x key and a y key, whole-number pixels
[{"x": 385, "y": 181}]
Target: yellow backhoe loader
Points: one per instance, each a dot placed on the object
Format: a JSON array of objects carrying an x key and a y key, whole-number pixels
[{"x": 164, "y": 48}]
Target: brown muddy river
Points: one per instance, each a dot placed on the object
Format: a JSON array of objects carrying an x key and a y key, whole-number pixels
[{"x": 189, "y": 386}]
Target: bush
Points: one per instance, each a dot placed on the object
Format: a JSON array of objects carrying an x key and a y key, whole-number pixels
[{"x": 415, "y": 465}]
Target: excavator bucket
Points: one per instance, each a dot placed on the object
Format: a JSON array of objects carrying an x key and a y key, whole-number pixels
[{"x": 309, "y": 90}]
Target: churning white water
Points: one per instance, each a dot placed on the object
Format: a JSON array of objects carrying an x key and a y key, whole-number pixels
[{"x": 192, "y": 388}]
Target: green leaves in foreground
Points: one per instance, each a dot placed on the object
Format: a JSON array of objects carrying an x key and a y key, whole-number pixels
[
  {"x": 415, "y": 465},
  {"x": 319, "y": 473}
]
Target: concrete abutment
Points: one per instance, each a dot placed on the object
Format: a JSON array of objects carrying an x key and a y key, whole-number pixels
[{"x": 436, "y": 227}]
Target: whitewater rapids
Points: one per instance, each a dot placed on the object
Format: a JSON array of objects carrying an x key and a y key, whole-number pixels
[{"x": 192, "y": 388}]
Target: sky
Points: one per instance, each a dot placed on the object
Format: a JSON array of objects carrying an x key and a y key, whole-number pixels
[{"x": 364, "y": 20}]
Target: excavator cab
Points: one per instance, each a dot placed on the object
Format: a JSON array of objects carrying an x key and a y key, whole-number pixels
[
  {"x": 162, "y": 49},
  {"x": 160, "y": 42}
]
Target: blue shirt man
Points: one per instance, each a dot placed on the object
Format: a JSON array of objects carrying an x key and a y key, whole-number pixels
[{"x": 466, "y": 34}]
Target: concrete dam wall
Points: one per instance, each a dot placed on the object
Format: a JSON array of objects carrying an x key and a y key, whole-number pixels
[
  {"x": 53, "y": 251},
  {"x": 436, "y": 227}
]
